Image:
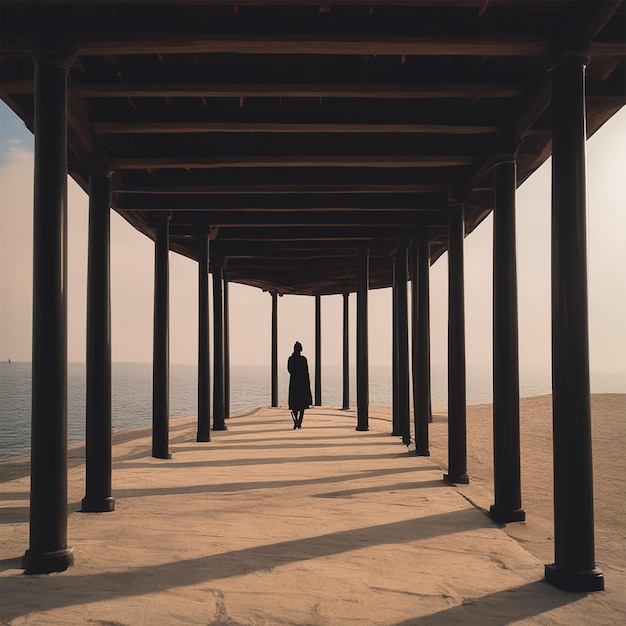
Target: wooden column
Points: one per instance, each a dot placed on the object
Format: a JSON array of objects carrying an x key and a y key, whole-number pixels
[
  {"x": 98, "y": 497},
  {"x": 457, "y": 450},
  {"x": 362, "y": 366},
  {"x": 395, "y": 416},
  {"x": 420, "y": 309},
  {"x": 318, "y": 350},
  {"x": 346, "y": 353},
  {"x": 48, "y": 550},
  {"x": 506, "y": 434},
  {"x": 226, "y": 348},
  {"x": 403, "y": 345},
  {"x": 161, "y": 344},
  {"x": 204, "y": 367},
  {"x": 274, "y": 349},
  {"x": 574, "y": 566},
  {"x": 217, "y": 271}
]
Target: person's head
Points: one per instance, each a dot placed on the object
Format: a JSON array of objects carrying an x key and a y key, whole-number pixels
[{"x": 297, "y": 347}]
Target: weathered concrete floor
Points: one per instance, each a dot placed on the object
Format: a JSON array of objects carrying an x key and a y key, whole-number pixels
[{"x": 270, "y": 525}]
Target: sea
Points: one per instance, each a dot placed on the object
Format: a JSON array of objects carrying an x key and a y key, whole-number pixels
[{"x": 250, "y": 388}]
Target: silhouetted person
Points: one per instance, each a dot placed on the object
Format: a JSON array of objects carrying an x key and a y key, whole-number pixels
[{"x": 299, "y": 385}]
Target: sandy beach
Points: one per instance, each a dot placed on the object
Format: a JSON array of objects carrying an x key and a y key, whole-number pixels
[
  {"x": 324, "y": 525},
  {"x": 609, "y": 464}
]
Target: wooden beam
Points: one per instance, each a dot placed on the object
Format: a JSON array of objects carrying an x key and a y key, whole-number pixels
[
  {"x": 247, "y": 189},
  {"x": 604, "y": 12},
  {"x": 607, "y": 49},
  {"x": 381, "y": 91},
  {"x": 330, "y": 233},
  {"x": 483, "y": 45},
  {"x": 290, "y": 180},
  {"x": 262, "y": 219},
  {"x": 282, "y": 203},
  {"x": 288, "y": 90},
  {"x": 136, "y": 128},
  {"x": 238, "y": 251},
  {"x": 155, "y": 163},
  {"x": 263, "y": 248},
  {"x": 361, "y": 44}
]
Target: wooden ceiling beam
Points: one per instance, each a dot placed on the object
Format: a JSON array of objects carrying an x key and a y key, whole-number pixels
[
  {"x": 157, "y": 128},
  {"x": 486, "y": 45},
  {"x": 262, "y": 247},
  {"x": 287, "y": 90},
  {"x": 361, "y": 44},
  {"x": 287, "y": 180},
  {"x": 289, "y": 161},
  {"x": 352, "y": 44},
  {"x": 336, "y": 218},
  {"x": 244, "y": 253},
  {"x": 331, "y": 233},
  {"x": 282, "y": 203},
  {"x": 382, "y": 91},
  {"x": 246, "y": 189}
]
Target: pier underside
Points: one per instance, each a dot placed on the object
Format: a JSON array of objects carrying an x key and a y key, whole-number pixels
[{"x": 297, "y": 133}]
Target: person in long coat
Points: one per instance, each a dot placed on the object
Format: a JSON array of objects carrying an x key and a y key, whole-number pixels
[{"x": 299, "y": 385}]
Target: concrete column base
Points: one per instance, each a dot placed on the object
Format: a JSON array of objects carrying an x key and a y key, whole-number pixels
[
  {"x": 503, "y": 515},
  {"x": 460, "y": 479},
  {"x": 589, "y": 580},
  {"x": 97, "y": 505},
  {"x": 47, "y": 562}
]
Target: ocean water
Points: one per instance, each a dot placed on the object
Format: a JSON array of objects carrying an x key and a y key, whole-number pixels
[{"x": 250, "y": 388}]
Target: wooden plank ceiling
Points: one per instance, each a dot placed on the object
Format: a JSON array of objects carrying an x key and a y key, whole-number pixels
[{"x": 300, "y": 133}]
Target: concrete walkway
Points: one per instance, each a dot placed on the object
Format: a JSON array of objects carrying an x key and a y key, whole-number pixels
[{"x": 270, "y": 525}]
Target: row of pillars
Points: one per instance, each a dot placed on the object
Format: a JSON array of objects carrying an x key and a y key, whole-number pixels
[
  {"x": 574, "y": 566},
  {"x": 221, "y": 351},
  {"x": 317, "y": 401},
  {"x": 221, "y": 369},
  {"x": 420, "y": 344}
]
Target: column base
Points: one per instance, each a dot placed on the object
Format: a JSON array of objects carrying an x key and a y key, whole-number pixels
[
  {"x": 589, "y": 580},
  {"x": 396, "y": 434},
  {"x": 47, "y": 562},
  {"x": 460, "y": 479},
  {"x": 165, "y": 457},
  {"x": 202, "y": 438},
  {"x": 362, "y": 428},
  {"x": 97, "y": 505},
  {"x": 422, "y": 452},
  {"x": 503, "y": 515},
  {"x": 219, "y": 427}
]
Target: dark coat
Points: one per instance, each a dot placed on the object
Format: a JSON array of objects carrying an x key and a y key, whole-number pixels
[{"x": 299, "y": 383}]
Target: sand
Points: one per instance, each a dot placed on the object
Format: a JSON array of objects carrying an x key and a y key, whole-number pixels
[
  {"x": 324, "y": 525},
  {"x": 609, "y": 464}
]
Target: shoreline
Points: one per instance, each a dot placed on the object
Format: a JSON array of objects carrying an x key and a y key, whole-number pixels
[{"x": 379, "y": 412}]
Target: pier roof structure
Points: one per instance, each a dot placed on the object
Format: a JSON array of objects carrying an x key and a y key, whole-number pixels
[{"x": 299, "y": 133}]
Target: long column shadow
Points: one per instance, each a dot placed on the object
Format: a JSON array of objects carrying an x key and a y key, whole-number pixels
[
  {"x": 71, "y": 590},
  {"x": 500, "y": 608}
]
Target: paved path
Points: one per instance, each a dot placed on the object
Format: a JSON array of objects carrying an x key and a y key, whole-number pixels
[{"x": 270, "y": 525}]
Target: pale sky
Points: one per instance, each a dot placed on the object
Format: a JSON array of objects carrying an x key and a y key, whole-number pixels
[{"x": 132, "y": 265}]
